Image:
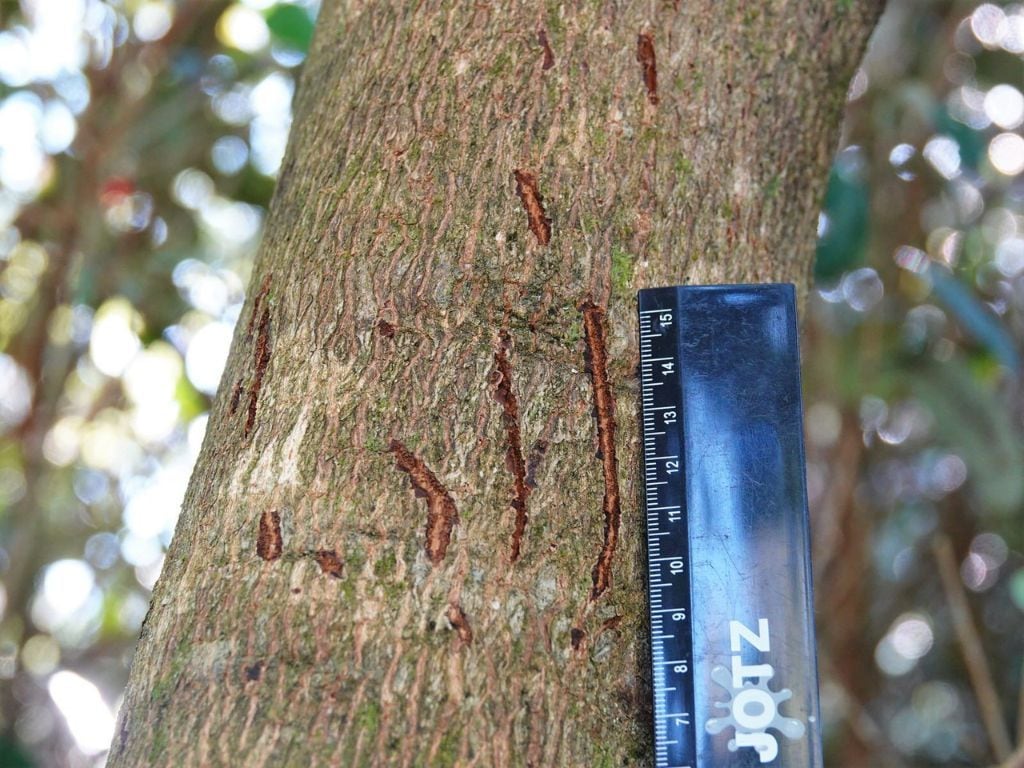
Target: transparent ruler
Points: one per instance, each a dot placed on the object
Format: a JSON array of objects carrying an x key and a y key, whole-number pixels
[{"x": 731, "y": 624}]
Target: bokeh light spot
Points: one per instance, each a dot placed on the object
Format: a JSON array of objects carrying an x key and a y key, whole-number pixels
[
  {"x": 89, "y": 719},
  {"x": 1006, "y": 153}
]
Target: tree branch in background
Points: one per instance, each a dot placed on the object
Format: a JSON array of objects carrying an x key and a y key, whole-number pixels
[
  {"x": 1020, "y": 709},
  {"x": 1016, "y": 760},
  {"x": 973, "y": 652},
  {"x": 858, "y": 720}
]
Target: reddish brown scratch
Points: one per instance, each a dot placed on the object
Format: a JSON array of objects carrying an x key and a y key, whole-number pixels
[
  {"x": 385, "y": 329},
  {"x": 442, "y": 514},
  {"x": 533, "y": 202},
  {"x": 457, "y": 618},
  {"x": 257, "y": 303},
  {"x": 269, "y": 542},
  {"x": 549, "y": 55},
  {"x": 514, "y": 460},
  {"x": 236, "y": 397},
  {"x": 645, "y": 55},
  {"x": 329, "y": 562},
  {"x": 611, "y": 623},
  {"x": 604, "y": 405},
  {"x": 262, "y": 359}
]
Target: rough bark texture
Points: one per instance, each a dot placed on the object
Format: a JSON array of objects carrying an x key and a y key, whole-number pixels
[{"x": 405, "y": 542}]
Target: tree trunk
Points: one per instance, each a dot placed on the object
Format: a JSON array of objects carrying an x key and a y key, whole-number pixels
[{"x": 414, "y": 536}]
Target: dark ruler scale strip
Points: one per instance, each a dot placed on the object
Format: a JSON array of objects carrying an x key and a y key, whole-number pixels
[{"x": 668, "y": 546}]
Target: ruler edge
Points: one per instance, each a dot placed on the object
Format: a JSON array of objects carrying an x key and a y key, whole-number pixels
[{"x": 692, "y": 729}]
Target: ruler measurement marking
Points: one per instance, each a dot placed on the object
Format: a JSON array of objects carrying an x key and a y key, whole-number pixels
[{"x": 674, "y": 732}]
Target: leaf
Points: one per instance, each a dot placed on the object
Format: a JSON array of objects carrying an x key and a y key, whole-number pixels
[
  {"x": 843, "y": 243},
  {"x": 11, "y": 755},
  {"x": 972, "y": 143},
  {"x": 975, "y": 317},
  {"x": 189, "y": 400},
  {"x": 291, "y": 25},
  {"x": 972, "y": 421}
]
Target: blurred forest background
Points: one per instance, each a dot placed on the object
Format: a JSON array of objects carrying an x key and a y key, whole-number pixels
[{"x": 139, "y": 143}]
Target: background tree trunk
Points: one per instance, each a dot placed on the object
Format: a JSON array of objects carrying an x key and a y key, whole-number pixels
[{"x": 398, "y": 546}]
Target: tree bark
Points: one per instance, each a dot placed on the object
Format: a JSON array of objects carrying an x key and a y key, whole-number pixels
[{"x": 414, "y": 536}]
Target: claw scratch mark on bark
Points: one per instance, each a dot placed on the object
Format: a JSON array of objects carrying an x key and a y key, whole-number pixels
[
  {"x": 442, "y": 514},
  {"x": 257, "y": 303},
  {"x": 457, "y": 618},
  {"x": 269, "y": 542},
  {"x": 506, "y": 397},
  {"x": 262, "y": 358},
  {"x": 604, "y": 405},
  {"x": 645, "y": 55},
  {"x": 385, "y": 329},
  {"x": 611, "y": 623},
  {"x": 549, "y": 55},
  {"x": 329, "y": 562},
  {"x": 236, "y": 397},
  {"x": 533, "y": 203}
]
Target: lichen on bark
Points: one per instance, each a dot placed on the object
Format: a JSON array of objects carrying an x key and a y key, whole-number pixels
[{"x": 463, "y": 178}]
